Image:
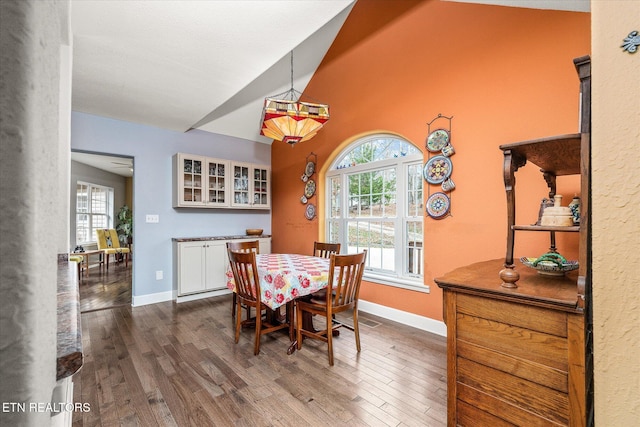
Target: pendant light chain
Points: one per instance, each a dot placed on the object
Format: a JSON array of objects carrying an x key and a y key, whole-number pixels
[{"x": 292, "y": 75}]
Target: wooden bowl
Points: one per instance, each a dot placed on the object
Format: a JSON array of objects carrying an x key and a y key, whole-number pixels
[{"x": 254, "y": 231}]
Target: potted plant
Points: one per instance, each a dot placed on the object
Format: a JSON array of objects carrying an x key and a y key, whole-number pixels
[{"x": 125, "y": 225}]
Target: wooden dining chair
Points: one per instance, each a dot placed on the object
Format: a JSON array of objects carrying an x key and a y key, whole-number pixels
[
  {"x": 253, "y": 245},
  {"x": 323, "y": 250},
  {"x": 245, "y": 274},
  {"x": 345, "y": 277}
]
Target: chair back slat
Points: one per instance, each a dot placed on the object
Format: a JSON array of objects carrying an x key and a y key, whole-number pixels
[
  {"x": 345, "y": 277},
  {"x": 324, "y": 250},
  {"x": 253, "y": 245},
  {"x": 245, "y": 274}
]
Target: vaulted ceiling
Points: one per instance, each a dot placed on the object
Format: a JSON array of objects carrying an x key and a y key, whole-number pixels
[{"x": 205, "y": 64}]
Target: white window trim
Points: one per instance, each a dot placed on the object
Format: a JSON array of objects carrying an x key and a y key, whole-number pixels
[
  {"x": 110, "y": 211},
  {"x": 398, "y": 282}
]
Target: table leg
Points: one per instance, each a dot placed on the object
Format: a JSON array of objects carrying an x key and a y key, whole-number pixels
[{"x": 86, "y": 265}]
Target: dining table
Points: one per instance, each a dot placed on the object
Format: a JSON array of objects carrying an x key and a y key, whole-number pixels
[{"x": 285, "y": 277}]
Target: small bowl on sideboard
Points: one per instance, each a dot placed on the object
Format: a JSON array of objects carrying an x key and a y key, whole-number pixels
[{"x": 254, "y": 231}]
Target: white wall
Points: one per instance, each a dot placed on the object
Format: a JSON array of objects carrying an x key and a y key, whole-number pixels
[{"x": 152, "y": 150}]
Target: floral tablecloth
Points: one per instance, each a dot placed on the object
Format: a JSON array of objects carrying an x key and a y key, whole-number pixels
[{"x": 284, "y": 277}]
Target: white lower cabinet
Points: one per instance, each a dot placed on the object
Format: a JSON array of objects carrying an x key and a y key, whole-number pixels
[{"x": 200, "y": 265}]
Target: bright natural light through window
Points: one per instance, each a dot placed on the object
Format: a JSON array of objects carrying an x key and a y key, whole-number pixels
[
  {"x": 94, "y": 210},
  {"x": 374, "y": 200}
]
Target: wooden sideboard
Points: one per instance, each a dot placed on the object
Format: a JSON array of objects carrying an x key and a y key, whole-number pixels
[{"x": 515, "y": 356}]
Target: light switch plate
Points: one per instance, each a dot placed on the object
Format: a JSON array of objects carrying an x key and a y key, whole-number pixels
[{"x": 153, "y": 218}]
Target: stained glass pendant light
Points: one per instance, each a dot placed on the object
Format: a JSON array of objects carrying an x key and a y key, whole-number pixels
[{"x": 286, "y": 118}]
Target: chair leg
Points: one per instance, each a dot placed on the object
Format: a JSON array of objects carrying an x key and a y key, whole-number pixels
[
  {"x": 299, "y": 327},
  {"x": 330, "y": 340},
  {"x": 356, "y": 330},
  {"x": 289, "y": 318},
  {"x": 238, "y": 321},
  {"x": 233, "y": 305},
  {"x": 107, "y": 260},
  {"x": 256, "y": 345}
]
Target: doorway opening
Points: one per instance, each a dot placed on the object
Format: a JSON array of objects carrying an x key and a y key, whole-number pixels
[{"x": 101, "y": 197}]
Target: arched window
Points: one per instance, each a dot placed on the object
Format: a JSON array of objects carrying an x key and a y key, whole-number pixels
[{"x": 374, "y": 202}]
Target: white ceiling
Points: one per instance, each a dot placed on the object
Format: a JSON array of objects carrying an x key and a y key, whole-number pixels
[
  {"x": 122, "y": 166},
  {"x": 196, "y": 64},
  {"x": 206, "y": 64}
]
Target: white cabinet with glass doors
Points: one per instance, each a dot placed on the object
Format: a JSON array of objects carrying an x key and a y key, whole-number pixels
[
  {"x": 251, "y": 186},
  {"x": 200, "y": 181},
  {"x": 205, "y": 182}
]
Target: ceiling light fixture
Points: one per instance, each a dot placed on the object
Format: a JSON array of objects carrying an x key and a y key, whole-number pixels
[{"x": 286, "y": 118}]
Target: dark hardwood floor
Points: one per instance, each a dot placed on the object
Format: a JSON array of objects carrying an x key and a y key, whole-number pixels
[
  {"x": 102, "y": 289},
  {"x": 173, "y": 364}
]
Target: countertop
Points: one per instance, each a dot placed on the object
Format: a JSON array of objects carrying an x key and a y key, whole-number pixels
[
  {"x": 69, "y": 350},
  {"x": 481, "y": 278},
  {"x": 198, "y": 239}
]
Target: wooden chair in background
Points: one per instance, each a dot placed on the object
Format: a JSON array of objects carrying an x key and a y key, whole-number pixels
[
  {"x": 254, "y": 246},
  {"x": 245, "y": 273},
  {"x": 323, "y": 250},
  {"x": 345, "y": 277}
]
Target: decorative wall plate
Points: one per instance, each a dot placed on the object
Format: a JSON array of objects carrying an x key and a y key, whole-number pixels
[
  {"x": 303, "y": 200},
  {"x": 437, "y": 169},
  {"x": 437, "y": 139},
  {"x": 310, "y": 188},
  {"x": 310, "y": 212},
  {"x": 310, "y": 169},
  {"x": 438, "y": 205}
]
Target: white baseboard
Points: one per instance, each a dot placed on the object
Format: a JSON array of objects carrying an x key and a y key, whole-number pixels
[
  {"x": 192, "y": 297},
  {"x": 420, "y": 322},
  {"x": 152, "y": 298}
]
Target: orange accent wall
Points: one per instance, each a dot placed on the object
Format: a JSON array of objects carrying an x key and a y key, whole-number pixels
[{"x": 504, "y": 74}]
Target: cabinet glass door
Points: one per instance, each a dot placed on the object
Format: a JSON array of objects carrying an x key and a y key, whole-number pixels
[
  {"x": 240, "y": 185},
  {"x": 192, "y": 180},
  {"x": 260, "y": 187},
  {"x": 216, "y": 191}
]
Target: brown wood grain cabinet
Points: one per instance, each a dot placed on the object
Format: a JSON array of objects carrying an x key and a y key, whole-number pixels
[
  {"x": 514, "y": 356},
  {"x": 518, "y": 343}
]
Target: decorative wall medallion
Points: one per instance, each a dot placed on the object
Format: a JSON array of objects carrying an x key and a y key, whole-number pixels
[
  {"x": 631, "y": 42},
  {"x": 437, "y": 169},
  {"x": 310, "y": 189},
  {"x": 310, "y": 169},
  {"x": 437, "y": 139},
  {"x": 438, "y": 205},
  {"x": 310, "y": 211}
]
